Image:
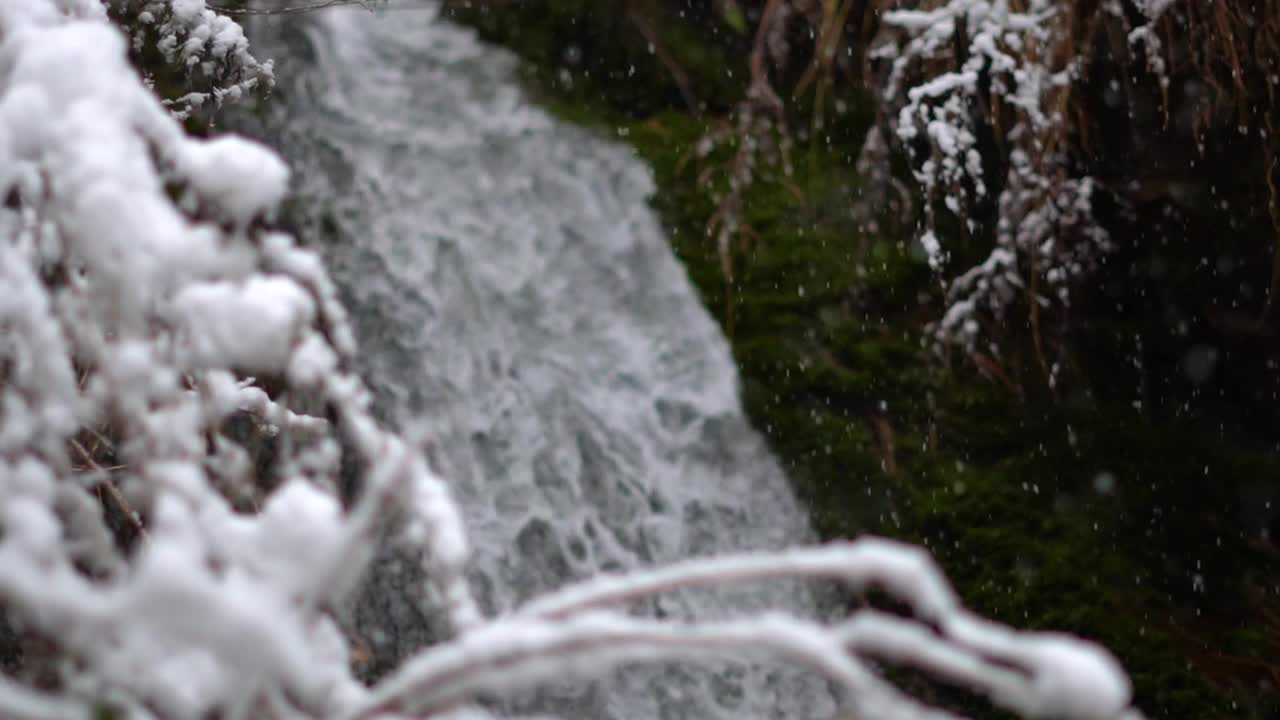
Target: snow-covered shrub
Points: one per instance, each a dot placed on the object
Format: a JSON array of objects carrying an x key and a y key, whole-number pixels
[
  {"x": 204, "y": 55},
  {"x": 953, "y": 72},
  {"x": 1004, "y": 109},
  {"x": 176, "y": 399}
]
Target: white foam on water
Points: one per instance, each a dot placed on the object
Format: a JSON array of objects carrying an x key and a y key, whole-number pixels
[{"x": 512, "y": 290}]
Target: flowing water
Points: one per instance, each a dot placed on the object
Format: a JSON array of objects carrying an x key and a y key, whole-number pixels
[{"x": 511, "y": 288}]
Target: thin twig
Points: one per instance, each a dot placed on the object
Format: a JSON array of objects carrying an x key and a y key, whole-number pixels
[
  {"x": 112, "y": 490},
  {"x": 678, "y": 74}
]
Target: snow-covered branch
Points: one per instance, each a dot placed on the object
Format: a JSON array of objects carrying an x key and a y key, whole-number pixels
[
  {"x": 966, "y": 69},
  {"x": 568, "y": 633},
  {"x": 205, "y": 51}
]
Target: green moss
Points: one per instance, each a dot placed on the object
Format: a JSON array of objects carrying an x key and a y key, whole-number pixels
[
  {"x": 617, "y": 59},
  {"x": 103, "y": 711}
]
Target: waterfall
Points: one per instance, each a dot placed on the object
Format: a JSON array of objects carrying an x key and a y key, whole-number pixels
[{"x": 514, "y": 296}]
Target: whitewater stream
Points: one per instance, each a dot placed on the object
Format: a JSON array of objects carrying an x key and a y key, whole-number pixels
[{"x": 511, "y": 289}]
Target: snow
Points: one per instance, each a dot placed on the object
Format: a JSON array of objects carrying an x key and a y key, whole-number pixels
[
  {"x": 253, "y": 326},
  {"x": 1075, "y": 680},
  {"x": 1153, "y": 9},
  {"x": 944, "y": 84},
  {"x": 237, "y": 176},
  {"x": 932, "y": 250}
]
